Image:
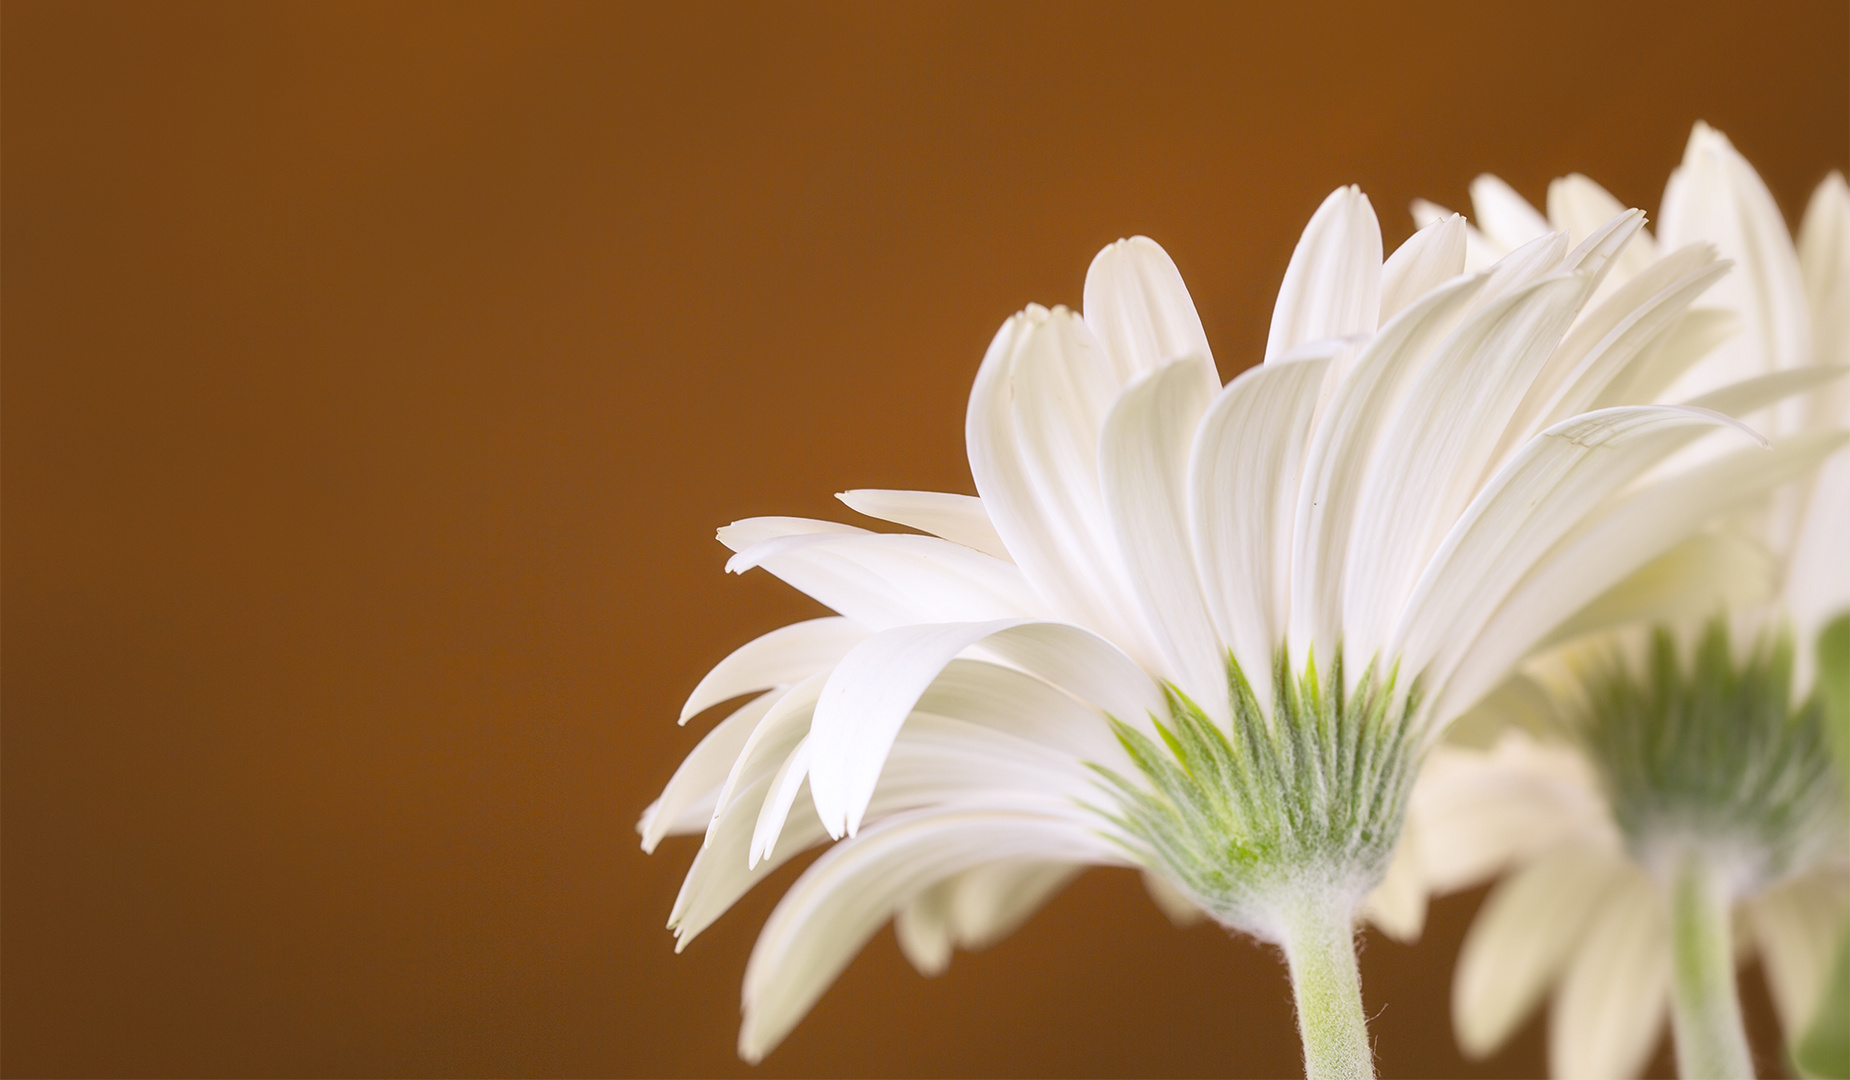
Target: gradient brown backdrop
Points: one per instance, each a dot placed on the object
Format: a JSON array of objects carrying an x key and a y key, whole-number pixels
[{"x": 375, "y": 378}]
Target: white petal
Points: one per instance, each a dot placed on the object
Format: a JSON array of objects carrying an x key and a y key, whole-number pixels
[
  {"x": 1596, "y": 253},
  {"x": 1715, "y": 195},
  {"x": 1610, "y": 1007},
  {"x": 923, "y": 929},
  {"x": 1085, "y": 665},
  {"x": 786, "y": 784},
  {"x": 1581, "y": 207},
  {"x": 1817, "y": 586},
  {"x": 768, "y": 746},
  {"x": 1613, "y": 336},
  {"x": 1824, "y": 263},
  {"x": 991, "y": 901},
  {"x": 875, "y": 687},
  {"x": 1244, "y": 475},
  {"x": 722, "y": 871},
  {"x": 1439, "y": 446},
  {"x": 1343, "y": 448},
  {"x": 1505, "y": 216},
  {"x": 1796, "y": 926},
  {"x": 1744, "y": 398},
  {"x": 944, "y": 761},
  {"x": 1171, "y": 901},
  {"x": 1552, "y": 484},
  {"x": 847, "y": 894},
  {"x": 1539, "y": 258},
  {"x": 1522, "y": 936},
  {"x": 1698, "y": 334},
  {"x": 881, "y": 580},
  {"x": 1032, "y": 429},
  {"x": 1427, "y": 213},
  {"x": 784, "y": 656},
  {"x": 1137, "y": 305},
  {"x": 1480, "y": 250},
  {"x": 1691, "y": 580},
  {"x": 688, "y": 802},
  {"x": 1332, "y": 288},
  {"x": 1479, "y": 812},
  {"x": 1429, "y": 259},
  {"x": 1398, "y": 904},
  {"x": 1143, "y": 470},
  {"x": 1023, "y": 706},
  {"x": 957, "y": 518},
  {"x": 752, "y": 531},
  {"x": 1602, "y": 553},
  {"x": 975, "y": 909}
]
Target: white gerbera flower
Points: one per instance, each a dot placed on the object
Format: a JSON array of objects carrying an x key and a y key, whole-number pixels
[
  {"x": 1684, "y": 785},
  {"x": 1206, "y": 631}
]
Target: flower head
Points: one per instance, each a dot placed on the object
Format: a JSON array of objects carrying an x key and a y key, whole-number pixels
[
  {"x": 1679, "y": 762},
  {"x": 1204, "y": 630}
]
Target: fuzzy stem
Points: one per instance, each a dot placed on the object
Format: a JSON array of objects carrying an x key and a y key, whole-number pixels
[
  {"x": 1705, "y": 1005},
  {"x": 1319, "y": 947}
]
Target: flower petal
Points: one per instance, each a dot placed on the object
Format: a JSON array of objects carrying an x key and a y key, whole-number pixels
[
  {"x": 786, "y": 784},
  {"x": 847, "y": 894},
  {"x": 1023, "y": 706},
  {"x": 1479, "y": 812},
  {"x": 1505, "y": 216},
  {"x": 1035, "y": 414},
  {"x": 1556, "y": 480},
  {"x": 1441, "y": 437},
  {"x": 957, "y": 518},
  {"x": 750, "y": 532},
  {"x": 1647, "y": 378},
  {"x": 1609, "y": 339},
  {"x": 875, "y": 687},
  {"x": 723, "y": 871},
  {"x": 784, "y": 656},
  {"x": 692, "y": 794},
  {"x": 1398, "y": 904},
  {"x": 1332, "y": 287},
  {"x": 1715, "y": 195},
  {"x": 785, "y": 725},
  {"x": 1143, "y": 471},
  {"x": 1137, "y": 305},
  {"x": 1796, "y": 926},
  {"x": 1689, "y": 581},
  {"x": 1429, "y": 259},
  {"x": 1243, "y": 477},
  {"x": 1522, "y": 936},
  {"x": 1611, "y": 1003},
  {"x": 1581, "y": 207},
  {"x": 1612, "y": 545},
  {"x": 1824, "y": 263},
  {"x": 1343, "y": 447},
  {"x": 882, "y": 580}
]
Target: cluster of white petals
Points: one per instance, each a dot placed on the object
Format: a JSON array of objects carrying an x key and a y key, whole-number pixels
[
  {"x": 1580, "y": 912},
  {"x": 1435, "y": 465}
]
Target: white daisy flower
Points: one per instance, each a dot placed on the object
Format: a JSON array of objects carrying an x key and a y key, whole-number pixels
[
  {"x": 1667, "y": 800},
  {"x": 1208, "y": 631}
]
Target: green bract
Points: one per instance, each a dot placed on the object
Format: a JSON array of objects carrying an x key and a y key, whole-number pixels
[
  {"x": 1714, "y": 756},
  {"x": 1308, "y": 800}
]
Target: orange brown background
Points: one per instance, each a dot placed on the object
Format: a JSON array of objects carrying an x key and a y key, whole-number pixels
[{"x": 375, "y": 377}]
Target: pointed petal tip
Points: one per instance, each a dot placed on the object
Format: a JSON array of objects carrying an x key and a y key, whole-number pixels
[{"x": 1722, "y": 419}]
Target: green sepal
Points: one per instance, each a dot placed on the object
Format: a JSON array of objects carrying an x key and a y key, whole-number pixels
[
  {"x": 1312, "y": 795},
  {"x": 1834, "y": 689}
]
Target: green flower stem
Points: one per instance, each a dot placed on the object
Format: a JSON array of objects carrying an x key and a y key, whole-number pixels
[
  {"x": 1320, "y": 950},
  {"x": 1705, "y": 1005}
]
